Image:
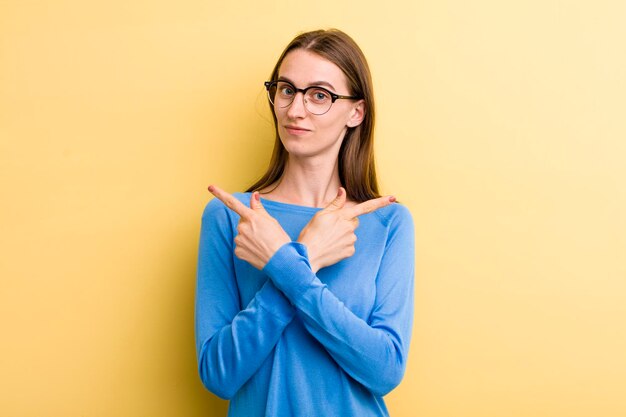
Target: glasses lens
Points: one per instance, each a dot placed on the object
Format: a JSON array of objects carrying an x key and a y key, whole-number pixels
[
  {"x": 318, "y": 100},
  {"x": 281, "y": 93}
]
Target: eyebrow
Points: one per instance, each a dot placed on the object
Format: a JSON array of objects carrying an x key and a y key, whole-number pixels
[{"x": 316, "y": 83}]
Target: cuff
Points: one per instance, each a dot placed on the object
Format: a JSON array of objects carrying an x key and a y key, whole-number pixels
[{"x": 290, "y": 270}]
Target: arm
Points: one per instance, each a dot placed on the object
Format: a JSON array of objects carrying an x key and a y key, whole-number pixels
[
  {"x": 232, "y": 341},
  {"x": 373, "y": 352}
]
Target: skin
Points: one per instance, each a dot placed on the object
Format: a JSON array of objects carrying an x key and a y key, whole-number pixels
[
  {"x": 311, "y": 176},
  {"x": 320, "y": 137}
]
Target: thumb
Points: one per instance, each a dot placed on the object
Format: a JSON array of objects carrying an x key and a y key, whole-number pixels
[
  {"x": 339, "y": 201},
  {"x": 255, "y": 202}
]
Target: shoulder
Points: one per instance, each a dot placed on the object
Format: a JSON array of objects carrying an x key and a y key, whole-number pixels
[
  {"x": 395, "y": 215},
  {"x": 398, "y": 222}
]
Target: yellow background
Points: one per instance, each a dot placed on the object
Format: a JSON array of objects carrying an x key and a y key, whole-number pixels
[{"x": 501, "y": 125}]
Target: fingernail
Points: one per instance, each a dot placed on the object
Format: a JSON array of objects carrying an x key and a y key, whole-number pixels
[
  {"x": 257, "y": 197},
  {"x": 211, "y": 188},
  {"x": 392, "y": 199}
]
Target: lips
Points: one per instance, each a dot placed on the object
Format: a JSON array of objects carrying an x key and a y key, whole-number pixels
[{"x": 296, "y": 130}]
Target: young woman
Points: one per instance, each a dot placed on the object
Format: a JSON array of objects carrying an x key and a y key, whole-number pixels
[{"x": 305, "y": 297}]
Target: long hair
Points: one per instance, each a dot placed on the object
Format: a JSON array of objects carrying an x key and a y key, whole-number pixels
[{"x": 357, "y": 171}]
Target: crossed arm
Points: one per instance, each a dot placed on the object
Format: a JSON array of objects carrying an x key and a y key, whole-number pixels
[
  {"x": 371, "y": 352},
  {"x": 329, "y": 237}
]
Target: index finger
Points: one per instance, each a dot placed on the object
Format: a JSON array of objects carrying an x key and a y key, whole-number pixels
[
  {"x": 370, "y": 206},
  {"x": 230, "y": 201}
]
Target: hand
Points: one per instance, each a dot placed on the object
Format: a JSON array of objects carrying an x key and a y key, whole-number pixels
[
  {"x": 259, "y": 234},
  {"x": 329, "y": 236}
]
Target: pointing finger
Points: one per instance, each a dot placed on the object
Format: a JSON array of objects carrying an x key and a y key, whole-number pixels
[
  {"x": 339, "y": 201},
  {"x": 229, "y": 200},
  {"x": 255, "y": 202},
  {"x": 370, "y": 206}
]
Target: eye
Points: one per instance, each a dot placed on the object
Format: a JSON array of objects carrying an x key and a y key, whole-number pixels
[
  {"x": 286, "y": 90},
  {"x": 319, "y": 95}
]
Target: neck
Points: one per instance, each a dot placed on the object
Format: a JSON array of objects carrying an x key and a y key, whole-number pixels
[{"x": 306, "y": 182}]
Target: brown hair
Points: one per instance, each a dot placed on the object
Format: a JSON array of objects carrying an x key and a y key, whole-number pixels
[{"x": 356, "y": 156}]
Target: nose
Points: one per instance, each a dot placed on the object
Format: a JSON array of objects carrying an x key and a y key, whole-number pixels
[{"x": 297, "y": 108}]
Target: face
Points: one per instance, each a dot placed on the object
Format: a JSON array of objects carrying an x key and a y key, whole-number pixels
[{"x": 307, "y": 135}]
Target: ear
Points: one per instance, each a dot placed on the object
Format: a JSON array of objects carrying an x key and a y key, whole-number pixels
[{"x": 357, "y": 114}]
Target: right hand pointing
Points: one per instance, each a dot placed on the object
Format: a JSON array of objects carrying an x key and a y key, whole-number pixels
[
  {"x": 329, "y": 236},
  {"x": 259, "y": 235}
]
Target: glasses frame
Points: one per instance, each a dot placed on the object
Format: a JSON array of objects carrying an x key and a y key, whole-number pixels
[{"x": 333, "y": 97}]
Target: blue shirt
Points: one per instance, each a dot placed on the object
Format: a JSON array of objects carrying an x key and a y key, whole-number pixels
[{"x": 287, "y": 342}]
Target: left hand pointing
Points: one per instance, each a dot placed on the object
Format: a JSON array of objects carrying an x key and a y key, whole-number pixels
[
  {"x": 259, "y": 234},
  {"x": 329, "y": 236}
]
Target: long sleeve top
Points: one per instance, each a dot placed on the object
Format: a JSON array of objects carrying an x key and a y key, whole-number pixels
[{"x": 284, "y": 341}]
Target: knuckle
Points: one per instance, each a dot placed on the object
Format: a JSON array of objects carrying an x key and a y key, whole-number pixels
[{"x": 364, "y": 207}]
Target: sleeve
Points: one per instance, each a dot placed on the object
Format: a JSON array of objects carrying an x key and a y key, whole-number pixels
[
  {"x": 231, "y": 342},
  {"x": 373, "y": 352}
]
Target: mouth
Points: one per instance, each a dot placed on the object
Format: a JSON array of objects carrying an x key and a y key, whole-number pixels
[{"x": 296, "y": 130}]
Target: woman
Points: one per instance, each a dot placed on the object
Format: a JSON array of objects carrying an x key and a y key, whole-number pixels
[{"x": 305, "y": 297}]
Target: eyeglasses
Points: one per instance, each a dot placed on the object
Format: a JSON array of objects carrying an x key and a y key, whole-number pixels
[{"x": 317, "y": 100}]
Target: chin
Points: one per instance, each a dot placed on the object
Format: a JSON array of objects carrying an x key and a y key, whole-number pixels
[
  {"x": 302, "y": 151},
  {"x": 309, "y": 146},
  {"x": 299, "y": 150}
]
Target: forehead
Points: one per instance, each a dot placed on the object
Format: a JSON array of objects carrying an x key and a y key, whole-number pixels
[{"x": 306, "y": 68}]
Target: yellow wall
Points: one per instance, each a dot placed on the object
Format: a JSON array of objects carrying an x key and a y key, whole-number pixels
[{"x": 501, "y": 127}]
